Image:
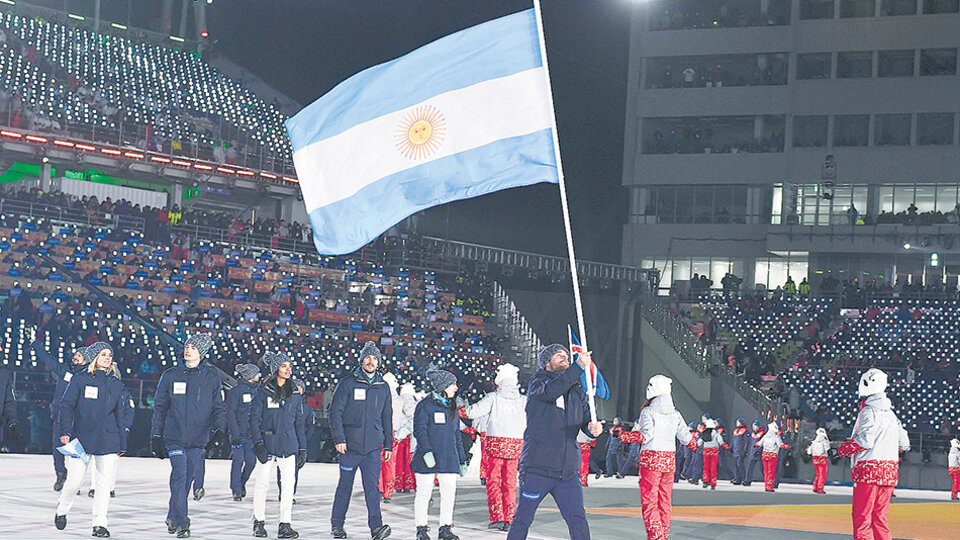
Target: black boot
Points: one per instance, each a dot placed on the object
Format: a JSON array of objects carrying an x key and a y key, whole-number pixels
[
  {"x": 505, "y": 527},
  {"x": 338, "y": 532},
  {"x": 171, "y": 526},
  {"x": 258, "y": 529},
  {"x": 198, "y": 494},
  {"x": 113, "y": 494},
  {"x": 495, "y": 526},
  {"x": 243, "y": 492},
  {"x": 380, "y": 532},
  {"x": 386, "y": 500},
  {"x": 423, "y": 533},
  {"x": 183, "y": 532},
  {"x": 101, "y": 532},
  {"x": 483, "y": 481},
  {"x": 61, "y": 478},
  {"x": 286, "y": 531},
  {"x": 237, "y": 497},
  {"x": 446, "y": 534},
  {"x": 91, "y": 493},
  {"x": 60, "y": 522}
]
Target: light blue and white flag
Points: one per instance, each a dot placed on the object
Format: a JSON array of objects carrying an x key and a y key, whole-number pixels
[
  {"x": 465, "y": 115},
  {"x": 74, "y": 449}
]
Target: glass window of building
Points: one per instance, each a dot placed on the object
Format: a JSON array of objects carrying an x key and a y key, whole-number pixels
[
  {"x": 925, "y": 198},
  {"x": 935, "y": 128},
  {"x": 854, "y": 65},
  {"x": 895, "y": 63},
  {"x": 716, "y": 71},
  {"x": 773, "y": 272},
  {"x": 685, "y": 15},
  {"x": 857, "y": 8},
  {"x": 716, "y": 134},
  {"x": 686, "y": 199},
  {"x": 816, "y": 9},
  {"x": 947, "y": 198},
  {"x": 814, "y": 65},
  {"x": 851, "y": 130},
  {"x": 891, "y": 130},
  {"x": 934, "y": 62},
  {"x": 934, "y": 7},
  {"x": 890, "y": 8},
  {"x": 666, "y": 204},
  {"x": 809, "y": 131}
]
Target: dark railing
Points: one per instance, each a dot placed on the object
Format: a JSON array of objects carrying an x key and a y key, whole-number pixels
[{"x": 75, "y": 216}]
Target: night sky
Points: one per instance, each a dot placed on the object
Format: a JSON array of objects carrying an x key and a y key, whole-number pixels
[{"x": 306, "y": 47}]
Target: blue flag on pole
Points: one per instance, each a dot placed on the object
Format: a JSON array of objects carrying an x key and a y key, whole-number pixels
[
  {"x": 602, "y": 390},
  {"x": 465, "y": 115}
]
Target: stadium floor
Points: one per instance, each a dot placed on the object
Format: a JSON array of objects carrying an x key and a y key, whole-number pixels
[{"x": 27, "y": 505}]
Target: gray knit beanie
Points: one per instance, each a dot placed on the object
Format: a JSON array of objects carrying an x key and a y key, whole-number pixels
[
  {"x": 543, "y": 357},
  {"x": 248, "y": 371},
  {"x": 275, "y": 360},
  {"x": 202, "y": 342},
  {"x": 91, "y": 352},
  {"x": 370, "y": 349},
  {"x": 440, "y": 379}
]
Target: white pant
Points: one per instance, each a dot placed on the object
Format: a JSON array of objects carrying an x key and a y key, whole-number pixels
[
  {"x": 106, "y": 467},
  {"x": 113, "y": 479},
  {"x": 264, "y": 473},
  {"x": 421, "y": 501}
]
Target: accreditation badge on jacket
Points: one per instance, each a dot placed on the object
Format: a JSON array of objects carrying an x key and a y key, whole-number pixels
[
  {"x": 272, "y": 404},
  {"x": 67, "y": 376},
  {"x": 180, "y": 388},
  {"x": 247, "y": 398},
  {"x": 561, "y": 404},
  {"x": 91, "y": 392},
  {"x": 359, "y": 394},
  {"x": 439, "y": 417}
]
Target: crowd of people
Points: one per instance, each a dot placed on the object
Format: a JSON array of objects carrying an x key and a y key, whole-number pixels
[{"x": 695, "y": 14}]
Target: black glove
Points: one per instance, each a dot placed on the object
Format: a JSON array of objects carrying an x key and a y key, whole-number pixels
[
  {"x": 832, "y": 453},
  {"x": 14, "y": 433},
  {"x": 301, "y": 458},
  {"x": 236, "y": 442},
  {"x": 159, "y": 449},
  {"x": 260, "y": 450},
  {"x": 217, "y": 439}
]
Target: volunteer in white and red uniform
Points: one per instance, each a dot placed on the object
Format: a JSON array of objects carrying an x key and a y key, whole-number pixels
[
  {"x": 405, "y": 482},
  {"x": 711, "y": 440},
  {"x": 874, "y": 450},
  {"x": 660, "y": 425},
  {"x": 586, "y": 445},
  {"x": 389, "y": 468},
  {"x": 506, "y": 420},
  {"x": 770, "y": 444},
  {"x": 953, "y": 467},
  {"x": 818, "y": 449}
]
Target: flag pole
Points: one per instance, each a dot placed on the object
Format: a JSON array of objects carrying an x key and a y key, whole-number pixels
[{"x": 591, "y": 387}]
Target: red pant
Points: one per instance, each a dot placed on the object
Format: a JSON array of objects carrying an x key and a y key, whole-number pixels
[
  {"x": 820, "y": 476},
  {"x": 769, "y": 469},
  {"x": 501, "y": 488},
  {"x": 388, "y": 473},
  {"x": 870, "y": 506},
  {"x": 584, "y": 463},
  {"x": 656, "y": 494},
  {"x": 404, "y": 478},
  {"x": 955, "y": 478},
  {"x": 710, "y": 456},
  {"x": 484, "y": 460}
]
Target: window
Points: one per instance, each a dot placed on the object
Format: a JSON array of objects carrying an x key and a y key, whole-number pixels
[
  {"x": 897, "y": 7},
  {"x": 809, "y": 131},
  {"x": 935, "y": 128},
  {"x": 666, "y": 198},
  {"x": 816, "y": 9},
  {"x": 717, "y": 70},
  {"x": 686, "y": 196},
  {"x": 851, "y": 130},
  {"x": 854, "y": 65},
  {"x": 934, "y": 7},
  {"x": 891, "y": 130},
  {"x": 713, "y": 134},
  {"x": 896, "y": 63},
  {"x": 857, "y": 8},
  {"x": 935, "y": 62},
  {"x": 813, "y": 65}
]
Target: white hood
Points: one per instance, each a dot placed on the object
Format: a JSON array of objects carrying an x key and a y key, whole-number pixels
[
  {"x": 658, "y": 386},
  {"x": 872, "y": 382}
]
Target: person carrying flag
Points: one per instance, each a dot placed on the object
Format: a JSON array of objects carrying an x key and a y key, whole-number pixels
[{"x": 557, "y": 410}]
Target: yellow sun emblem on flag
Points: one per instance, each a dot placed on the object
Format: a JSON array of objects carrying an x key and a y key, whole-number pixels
[{"x": 421, "y": 132}]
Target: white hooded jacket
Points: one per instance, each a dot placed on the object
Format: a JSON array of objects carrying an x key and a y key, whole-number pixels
[
  {"x": 406, "y": 405},
  {"x": 953, "y": 460},
  {"x": 878, "y": 430},
  {"x": 820, "y": 445},
  {"x": 662, "y": 424},
  {"x": 503, "y": 411},
  {"x": 771, "y": 441}
]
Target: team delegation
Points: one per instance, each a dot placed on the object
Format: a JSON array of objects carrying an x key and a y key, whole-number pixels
[{"x": 398, "y": 440}]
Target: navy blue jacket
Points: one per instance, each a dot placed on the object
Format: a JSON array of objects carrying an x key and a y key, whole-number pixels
[
  {"x": 361, "y": 413},
  {"x": 437, "y": 430},
  {"x": 188, "y": 406},
  {"x": 279, "y": 424},
  {"x": 127, "y": 413},
  {"x": 239, "y": 404},
  {"x": 91, "y": 411},
  {"x": 62, "y": 371},
  {"x": 742, "y": 442},
  {"x": 8, "y": 403},
  {"x": 550, "y": 440},
  {"x": 754, "y": 452}
]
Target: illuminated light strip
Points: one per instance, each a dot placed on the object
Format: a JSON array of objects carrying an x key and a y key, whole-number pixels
[
  {"x": 118, "y": 26},
  {"x": 245, "y": 173},
  {"x": 68, "y": 144},
  {"x": 110, "y": 151},
  {"x": 178, "y": 39},
  {"x": 181, "y": 163},
  {"x": 34, "y": 138},
  {"x": 203, "y": 167},
  {"x": 161, "y": 159},
  {"x": 77, "y": 17},
  {"x": 86, "y": 147},
  {"x": 268, "y": 175},
  {"x": 226, "y": 170},
  {"x": 135, "y": 155},
  {"x": 11, "y": 134},
  {"x": 9, "y": 2},
  {"x": 291, "y": 179}
]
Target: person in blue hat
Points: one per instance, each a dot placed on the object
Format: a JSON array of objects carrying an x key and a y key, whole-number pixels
[
  {"x": 754, "y": 451},
  {"x": 741, "y": 450},
  {"x": 239, "y": 403},
  {"x": 189, "y": 419}
]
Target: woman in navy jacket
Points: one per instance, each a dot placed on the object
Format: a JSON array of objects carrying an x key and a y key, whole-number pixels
[
  {"x": 276, "y": 424},
  {"x": 92, "y": 411},
  {"x": 436, "y": 427}
]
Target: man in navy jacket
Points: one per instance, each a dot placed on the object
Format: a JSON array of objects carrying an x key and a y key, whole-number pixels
[
  {"x": 361, "y": 423},
  {"x": 754, "y": 452},
  {"x": 741, "y": 448},
  {"x": 239, "y": 402},
  {"x": 63, "y": 372},
  {"x": 188, "y": 418},
  {"x": 557, "y": 410}
]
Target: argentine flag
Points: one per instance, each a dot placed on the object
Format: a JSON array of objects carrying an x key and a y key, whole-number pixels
[{"x": 465, "y": 115}]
